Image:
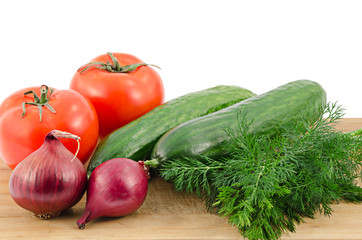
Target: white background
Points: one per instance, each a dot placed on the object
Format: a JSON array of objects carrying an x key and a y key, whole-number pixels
[{"x": 258, "y": 45}]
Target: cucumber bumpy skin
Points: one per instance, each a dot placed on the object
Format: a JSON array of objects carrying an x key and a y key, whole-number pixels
[
  {"x": 137, "y": 139},
  {"x": 267, "y": 113}
]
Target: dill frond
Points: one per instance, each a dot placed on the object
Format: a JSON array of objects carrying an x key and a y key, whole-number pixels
[{"x": 267, "y": 185}]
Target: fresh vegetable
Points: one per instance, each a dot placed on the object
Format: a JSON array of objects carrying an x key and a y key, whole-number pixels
[
  {"x": 267, "y": 185},
  {"x": 28, "y": 115},
  {"x": 116, "y": 188},
  {"x": 121, "y": 88},
  {"x": 50, "y": 180},
  {"x": 270, "y": 112},
  {"x": 136, "y": 139}
]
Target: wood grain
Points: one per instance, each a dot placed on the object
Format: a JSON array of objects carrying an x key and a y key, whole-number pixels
[{"x": 166, "y": 214}]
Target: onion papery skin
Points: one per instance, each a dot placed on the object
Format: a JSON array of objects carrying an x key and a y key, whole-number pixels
[
  {"x": 48, "y": 181},
  {"x": 117, "y": 187}
]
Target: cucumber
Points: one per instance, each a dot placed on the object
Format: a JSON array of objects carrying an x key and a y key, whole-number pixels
[
  {"x": 137, "y": 139},
  {"x": 266, "y": 113}
]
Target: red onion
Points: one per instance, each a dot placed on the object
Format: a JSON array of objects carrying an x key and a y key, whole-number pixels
[
  {"x": 50, "y": 180},
  {"x": 116, "y": 188}
]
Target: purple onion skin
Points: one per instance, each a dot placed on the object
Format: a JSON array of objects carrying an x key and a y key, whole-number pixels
[
  {"x": 48, "y": 181},
  {"x": 117, "y": 187}
]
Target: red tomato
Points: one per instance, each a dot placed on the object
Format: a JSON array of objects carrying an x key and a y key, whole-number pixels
[
  {"x": 22, "y": 135},
  {"x": 118, "y": 94}
]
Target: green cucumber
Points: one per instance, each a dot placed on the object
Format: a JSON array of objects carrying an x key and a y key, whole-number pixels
[
  {"x": 137, "y": 139},
  {"x": 267, "y": 114}
]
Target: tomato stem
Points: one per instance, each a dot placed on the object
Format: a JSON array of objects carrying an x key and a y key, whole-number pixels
[
  {"x": 114, "y": 67},
  {"x": 40, "y": 102}
]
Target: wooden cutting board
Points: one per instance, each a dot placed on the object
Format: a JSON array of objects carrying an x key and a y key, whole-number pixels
[{"x": 166, "y": 214}]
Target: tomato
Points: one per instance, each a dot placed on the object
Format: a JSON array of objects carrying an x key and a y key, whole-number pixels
[
  {"x": 121, "y": 88},
  {"x": 21, "y": 133}
]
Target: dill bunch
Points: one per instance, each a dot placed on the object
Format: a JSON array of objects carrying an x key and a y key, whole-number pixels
[{"x": 267, "y": 185}]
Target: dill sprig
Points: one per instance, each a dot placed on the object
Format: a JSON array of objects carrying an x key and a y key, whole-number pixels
[{"x": 267, "y": 185}]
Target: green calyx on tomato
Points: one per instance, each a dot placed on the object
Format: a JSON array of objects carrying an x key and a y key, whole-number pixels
[
  {"x": 114, "y": 66},
  {"x": 40, "y": 102}
]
